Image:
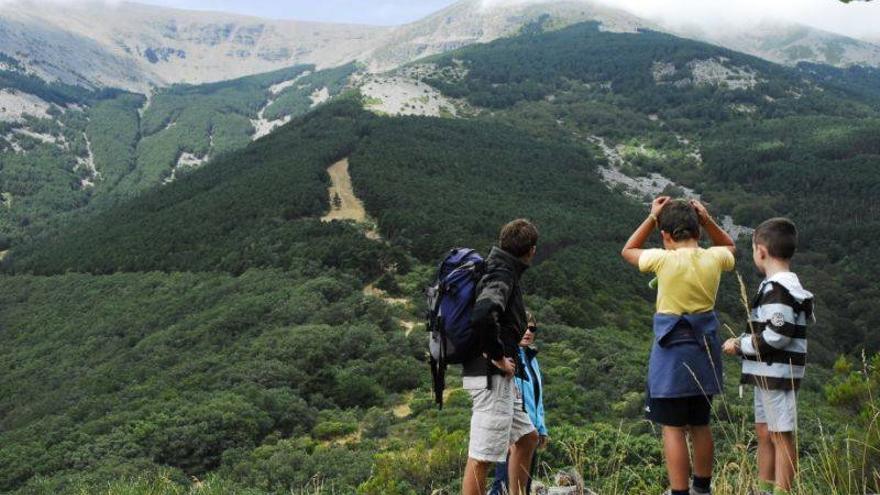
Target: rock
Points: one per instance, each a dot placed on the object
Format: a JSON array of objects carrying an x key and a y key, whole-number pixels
[
  {"x": 564, "y": 490},
  {"x": 568, "y": 478}
]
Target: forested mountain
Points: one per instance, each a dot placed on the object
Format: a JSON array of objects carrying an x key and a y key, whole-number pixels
[
  {"x": 63, "y": 149},
  {"x": 215, "y": 335},
  {"x": 70, "y": 148},
  {"x": 755, "y": 139}
]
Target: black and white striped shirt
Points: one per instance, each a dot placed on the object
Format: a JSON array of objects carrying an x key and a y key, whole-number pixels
[{"x": 775, "y": 347}]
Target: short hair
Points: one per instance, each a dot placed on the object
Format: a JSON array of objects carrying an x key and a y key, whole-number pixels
[
  {"x": 780, "y": 237},
  {"x": 679, "y": 219},
  {"x": 530, "y": 318},
  {"x": 518, "y": 237}
]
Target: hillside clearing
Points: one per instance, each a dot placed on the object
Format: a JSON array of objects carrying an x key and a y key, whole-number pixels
[{"x": 344, "y": 205}]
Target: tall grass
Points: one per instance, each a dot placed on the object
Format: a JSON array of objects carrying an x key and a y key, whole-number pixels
[{"x": 842, "y": 462}]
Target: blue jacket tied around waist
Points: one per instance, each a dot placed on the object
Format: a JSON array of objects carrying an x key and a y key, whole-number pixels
[{"x": 686, "y": 356}]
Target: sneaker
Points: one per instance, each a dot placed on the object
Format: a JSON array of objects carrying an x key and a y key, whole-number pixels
[{"x": 697, "y": 491}]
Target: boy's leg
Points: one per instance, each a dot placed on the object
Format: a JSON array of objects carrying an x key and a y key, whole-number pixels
[
  {"x": 766, "y": 451},
  {"x": 786, "y": 459},
  {"x": 475, "y": 472},
  {"x": 521, "y": 462},
  {"x": 704, "y": 450},
  {"x": 699, "y": 417},
  {"x": 780, "y": 411},
  {"x": 766, "y": 457},
  {"x": 675, "y": 449}
]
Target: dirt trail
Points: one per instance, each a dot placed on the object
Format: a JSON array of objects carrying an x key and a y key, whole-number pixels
[
  {"x": 344, "y": 205},
  {"x": 372, "y": 290}
]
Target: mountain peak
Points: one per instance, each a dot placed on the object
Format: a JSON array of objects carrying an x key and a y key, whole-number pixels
[{"x": 135, "y": 46}]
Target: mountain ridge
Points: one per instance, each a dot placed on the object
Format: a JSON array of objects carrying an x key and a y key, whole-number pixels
[
  {"x": 148, "y": 46},
  {"x": 137, "y": 47}
]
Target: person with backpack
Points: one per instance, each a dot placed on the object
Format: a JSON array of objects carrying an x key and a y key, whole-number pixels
[
  {"x": 533, "y": 399},
  {"x": 499, "y": 422}
]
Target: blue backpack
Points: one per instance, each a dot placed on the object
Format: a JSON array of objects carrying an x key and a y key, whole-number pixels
[{"x": 450, "y": 303}]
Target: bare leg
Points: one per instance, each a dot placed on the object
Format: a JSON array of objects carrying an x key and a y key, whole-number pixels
[
  {"x": 704, "y": 450},
  {"x": 474, "y": 482},
  {"x": 766, "y": 454},
  {"x": 520, "y": 463},
  {"x": 786, "y": 459},
  {"x": 678, "y": 463}
]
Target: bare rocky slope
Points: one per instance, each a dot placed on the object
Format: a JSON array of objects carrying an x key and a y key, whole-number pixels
[{"x": 134, "y": 46}]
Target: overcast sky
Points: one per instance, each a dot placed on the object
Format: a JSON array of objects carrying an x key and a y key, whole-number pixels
[{"x": 860, "y": 19}]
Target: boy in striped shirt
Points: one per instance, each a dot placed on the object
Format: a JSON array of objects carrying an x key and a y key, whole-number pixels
[{"x": 774, "y": 352}]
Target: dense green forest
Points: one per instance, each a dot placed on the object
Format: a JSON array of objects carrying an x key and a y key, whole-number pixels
[
  {"x": 784, "y": 146},
  {"x": 213, "y": 335},
  {"x": 123, "y": 144}
]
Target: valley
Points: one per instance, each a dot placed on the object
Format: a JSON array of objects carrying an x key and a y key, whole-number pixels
[{"x": 216, "y": 232}]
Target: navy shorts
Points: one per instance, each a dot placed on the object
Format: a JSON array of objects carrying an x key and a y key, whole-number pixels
[{"x": 680, "y": 411}]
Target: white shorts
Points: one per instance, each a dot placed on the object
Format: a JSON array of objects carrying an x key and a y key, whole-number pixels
[
  {"x": 498, "y": 419},
  {"x": 777, "y": 408}
]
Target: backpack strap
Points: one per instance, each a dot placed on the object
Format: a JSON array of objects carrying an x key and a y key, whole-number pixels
[{"x": 438, "y": 379}]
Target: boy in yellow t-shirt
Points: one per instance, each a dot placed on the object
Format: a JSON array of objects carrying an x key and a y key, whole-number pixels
[{"x": 684, "y": 371}]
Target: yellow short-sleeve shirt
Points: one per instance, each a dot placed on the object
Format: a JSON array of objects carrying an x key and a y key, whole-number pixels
[{"x": 687, "y": 278}]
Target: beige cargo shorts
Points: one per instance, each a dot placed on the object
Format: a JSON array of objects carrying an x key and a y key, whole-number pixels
[{"x": 498, "y": 419}]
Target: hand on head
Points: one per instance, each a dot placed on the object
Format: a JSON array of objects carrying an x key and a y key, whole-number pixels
[
  {"x": 702, "y": 212},
  {"x": 658, "y": 204}
]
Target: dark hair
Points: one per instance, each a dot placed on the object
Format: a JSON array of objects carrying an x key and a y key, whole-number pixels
[
  {"x": 680, "y": 220},
  {"x": 518, "y": 237},
  {"x": 779, "y": 236}
]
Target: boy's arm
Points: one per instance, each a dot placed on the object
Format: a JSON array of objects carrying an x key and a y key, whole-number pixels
[
  {"x": 718, "y": 236},
  {"x": 780, "y": 328},
  {"x": 632, "y": 250}
]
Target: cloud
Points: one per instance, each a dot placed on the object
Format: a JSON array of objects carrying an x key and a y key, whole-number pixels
[{"x": 858, "y": 19}]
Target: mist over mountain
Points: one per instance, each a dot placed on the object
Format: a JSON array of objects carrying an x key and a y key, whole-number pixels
[{"x": 135, "y": 47}]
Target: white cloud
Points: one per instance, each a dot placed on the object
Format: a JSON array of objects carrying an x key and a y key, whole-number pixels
[{"x": 858, "y": 19}]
